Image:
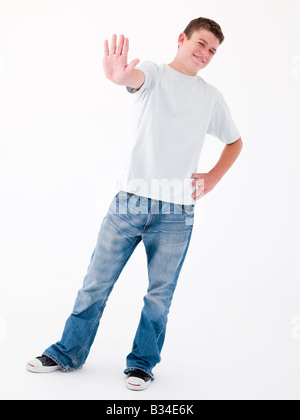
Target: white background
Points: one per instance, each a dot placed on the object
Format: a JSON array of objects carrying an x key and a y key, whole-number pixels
[{"x": 65, "y": 132}]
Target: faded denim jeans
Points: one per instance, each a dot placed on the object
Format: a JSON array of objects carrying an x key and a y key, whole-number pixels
[{"x": 165, "y": 229}]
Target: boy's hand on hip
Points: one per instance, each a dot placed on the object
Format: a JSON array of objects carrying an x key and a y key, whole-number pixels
[
  {"x": 204, "y": 184},
  {"x": 115, "y": 60}
]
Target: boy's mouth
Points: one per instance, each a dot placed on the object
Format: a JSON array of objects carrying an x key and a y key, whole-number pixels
[{"x": 199, "y": 59}]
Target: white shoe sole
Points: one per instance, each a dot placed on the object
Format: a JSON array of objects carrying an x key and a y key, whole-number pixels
[
  {"x": 36, "y": 366},
  {"x": 137, "y": 384}
]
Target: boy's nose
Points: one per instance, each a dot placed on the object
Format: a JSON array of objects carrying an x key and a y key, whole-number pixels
[
  {"x": 202, "y": 54},
  {"x": 205, "y": 54}
]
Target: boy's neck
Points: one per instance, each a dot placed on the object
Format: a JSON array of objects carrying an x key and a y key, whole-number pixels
[{"x": 180, "y": 67}]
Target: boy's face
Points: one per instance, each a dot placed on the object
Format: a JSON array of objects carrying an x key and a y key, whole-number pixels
[{"x": 196, "y": 53}]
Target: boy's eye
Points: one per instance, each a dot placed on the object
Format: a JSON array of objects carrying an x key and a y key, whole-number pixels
[{"x": 212, "y": 52}]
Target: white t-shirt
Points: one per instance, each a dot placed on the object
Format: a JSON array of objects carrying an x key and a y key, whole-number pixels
[{"x": 173, "y": 112}]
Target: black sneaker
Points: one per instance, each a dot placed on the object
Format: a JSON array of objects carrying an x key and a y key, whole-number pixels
[
  {"x": 137, "y": 380},
  {"x": 42, "y": 364}
]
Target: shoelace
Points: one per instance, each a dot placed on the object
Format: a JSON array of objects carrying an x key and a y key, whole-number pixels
[{"x": 46, "y": 361}]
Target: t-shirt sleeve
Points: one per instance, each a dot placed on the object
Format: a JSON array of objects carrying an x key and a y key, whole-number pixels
[
  {"x": 221, "y": 124},
  {"x": 150, "y": 70}
]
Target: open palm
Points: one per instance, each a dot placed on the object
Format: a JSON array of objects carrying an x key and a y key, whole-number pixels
[{"x": 115, "y": 59}]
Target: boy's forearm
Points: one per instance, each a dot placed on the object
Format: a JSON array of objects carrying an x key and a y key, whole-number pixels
[
  {"x": 135, "y": 80},
  {"x": 230, "y": 154}
]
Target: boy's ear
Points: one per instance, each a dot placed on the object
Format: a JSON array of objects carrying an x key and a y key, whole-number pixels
[{"x": 181, "y": 39}]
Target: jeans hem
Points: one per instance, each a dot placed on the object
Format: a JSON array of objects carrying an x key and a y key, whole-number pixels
[
  {"x": 61, "y": 365},
  {"x": 130, "y": 369}
]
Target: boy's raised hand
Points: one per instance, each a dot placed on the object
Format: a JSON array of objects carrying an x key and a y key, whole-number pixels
[{"x": 115, "y": 64}]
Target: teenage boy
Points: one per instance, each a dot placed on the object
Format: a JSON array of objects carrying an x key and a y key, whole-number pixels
[{"x": 158, "y": 190}]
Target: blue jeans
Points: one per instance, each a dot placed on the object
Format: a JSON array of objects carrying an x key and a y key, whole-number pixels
[{"x": 165, "y": 229}]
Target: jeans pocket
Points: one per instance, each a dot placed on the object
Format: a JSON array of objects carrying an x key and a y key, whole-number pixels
[
  {"x": 188, "y": 212},
  {"x": 126, "y": 203},
  {"x": 188, "y": 209},
  {"x": 123, "y": 195}
]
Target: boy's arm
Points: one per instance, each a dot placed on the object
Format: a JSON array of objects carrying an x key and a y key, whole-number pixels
[
  {"x": 116, "y": 67},
  {"x": 207, "y": 182}
]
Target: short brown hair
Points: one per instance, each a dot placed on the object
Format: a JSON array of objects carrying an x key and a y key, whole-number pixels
[{"x": 204, "y": 23}]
